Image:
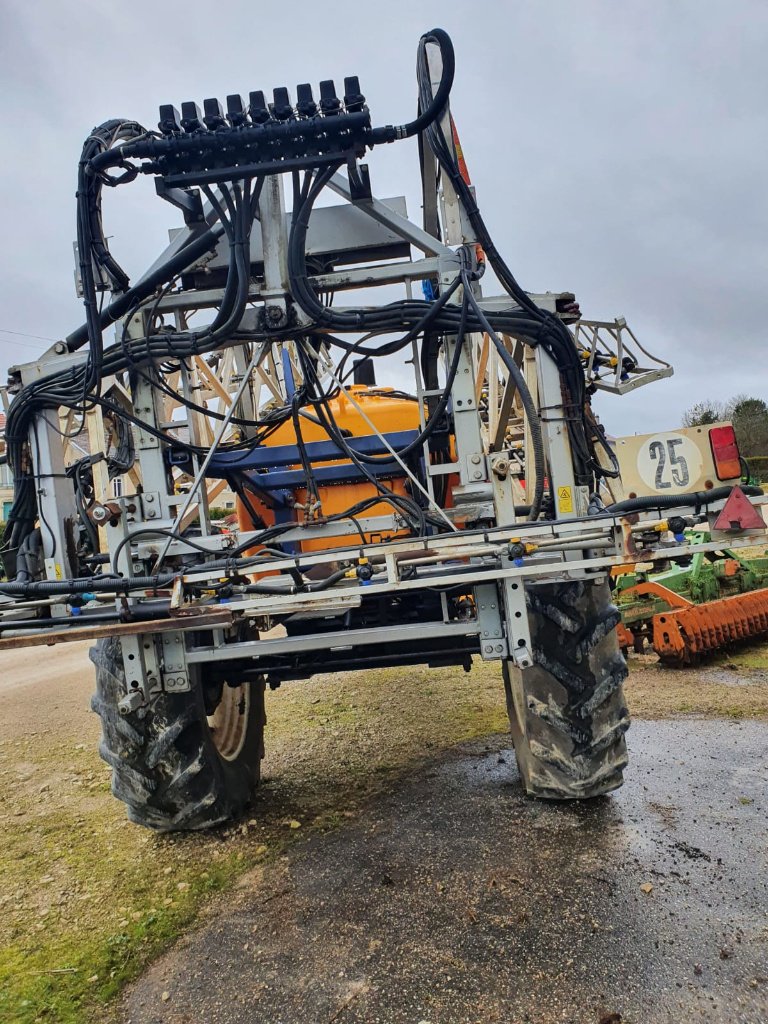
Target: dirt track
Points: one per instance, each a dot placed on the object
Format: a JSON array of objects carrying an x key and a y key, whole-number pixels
[{"x": 455, "y": 899}]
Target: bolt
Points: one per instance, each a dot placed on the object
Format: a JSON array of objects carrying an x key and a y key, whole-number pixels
[
  {"x": 59, "y": 348},
  {"x": 477, "y": 475},
  {"x": 489, "y": 648},
  {"x": 475, "y": 460},
  {"x": 130, "y": 702},
  {"x": 499, "y": 648},
  {"x": 151, "y": 514},
  {"x": 149, "y": 498}
]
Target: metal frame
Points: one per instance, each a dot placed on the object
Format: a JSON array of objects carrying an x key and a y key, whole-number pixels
[{"x": 491, "y": 439}]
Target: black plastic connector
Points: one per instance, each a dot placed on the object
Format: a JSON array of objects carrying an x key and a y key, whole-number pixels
[
  {"x": 676, "y": 524},
  {"x": 282, "y": 108},
  {"x": 262, "y": 137},
  {"x": 213, "y": 115},
  {"x": 170, "y": 120},
  {"x": 353, "y": 98},
  {"x": 236, "y": 112},
  {"x": 515, "y": 550},
  {"x": 305, "y": 101},
  {"x": 191, "y": 118},
  {"x": 329, "y": 102},
  {"x": 257, "y": 107}
]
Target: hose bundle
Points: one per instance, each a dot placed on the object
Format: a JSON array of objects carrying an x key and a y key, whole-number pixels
[{"x": 449, "y": 317}]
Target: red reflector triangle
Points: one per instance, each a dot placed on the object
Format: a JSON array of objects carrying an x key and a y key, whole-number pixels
[{"x": 738, "y": 513}]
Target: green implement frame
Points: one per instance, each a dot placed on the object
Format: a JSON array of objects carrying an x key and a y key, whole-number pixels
[{"x": 650, "y": 601}]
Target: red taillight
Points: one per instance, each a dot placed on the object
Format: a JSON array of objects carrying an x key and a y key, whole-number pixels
[{"x": 725, "y": 452}]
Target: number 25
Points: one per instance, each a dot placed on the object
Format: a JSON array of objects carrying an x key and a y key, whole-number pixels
[{"x": 678, "y": 465}]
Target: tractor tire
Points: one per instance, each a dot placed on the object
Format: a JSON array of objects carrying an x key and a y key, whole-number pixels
[
  {"x": 191, "y": 760},
  {"x": 567, "y": 710}
]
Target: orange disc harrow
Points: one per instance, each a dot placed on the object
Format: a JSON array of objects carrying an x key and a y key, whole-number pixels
[{"x": 681, "y": 635}]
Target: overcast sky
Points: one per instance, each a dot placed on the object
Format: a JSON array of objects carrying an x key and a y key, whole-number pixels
[{"x": 619, "y": 150}]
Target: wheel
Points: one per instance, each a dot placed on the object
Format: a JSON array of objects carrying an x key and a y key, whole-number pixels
[
  {"x": 567, "y": 711},
  {"x": 189, "y": 761}
]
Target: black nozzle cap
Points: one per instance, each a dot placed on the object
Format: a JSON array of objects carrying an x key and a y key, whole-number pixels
[
  {"x": 305, "y": 101},
  {"x": 170, "y": 120},
  {"x": 329, "y": 101},
  {"x": 353, "y": 98},
  {"x": 236, "y": 113},
  {"x": 191, "y": 118},
  {"x": 213, "y": 114},
  {"x": 282, "y": 107},
  {"x": 257, "y": 107}
]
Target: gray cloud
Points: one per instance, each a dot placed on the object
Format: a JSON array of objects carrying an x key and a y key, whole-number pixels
[{"x": 618, "y": 150}]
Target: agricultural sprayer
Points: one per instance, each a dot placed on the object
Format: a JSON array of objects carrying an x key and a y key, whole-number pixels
[{"x": 473, "y": 511}]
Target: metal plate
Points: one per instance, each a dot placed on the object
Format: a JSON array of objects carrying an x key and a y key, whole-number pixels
[
  {"x": 672, "y": 462},
  {"x": 345, "y": 232}
]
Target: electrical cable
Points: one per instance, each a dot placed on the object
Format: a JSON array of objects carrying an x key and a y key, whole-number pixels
[{"x": 113, "y": 145}]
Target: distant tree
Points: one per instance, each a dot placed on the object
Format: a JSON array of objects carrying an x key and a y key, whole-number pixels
[
  {"x": 702, "y": 413},
  {"x": 750, "y": 421}
]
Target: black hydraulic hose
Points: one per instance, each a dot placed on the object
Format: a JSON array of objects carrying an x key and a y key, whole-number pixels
[
  {"x": 437, "y": 412},
  {"x": 58, "y": 620},
  {"x": 675, "y": 500},
  {"x": 432, "y": 112},
  {"x": 179, "y": 262},
  {"x": 310, "y": 588},
  {"x": 116, "y": 584},
  {"x": 550, "y": 332},
  {"x": 138, "y": 613}
]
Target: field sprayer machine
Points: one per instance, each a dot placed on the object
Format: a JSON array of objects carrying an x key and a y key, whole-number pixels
[{"x": 475, "y": 513}]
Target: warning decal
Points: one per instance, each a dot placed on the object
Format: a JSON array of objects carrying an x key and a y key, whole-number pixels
[{"x": 565, "y": 499}]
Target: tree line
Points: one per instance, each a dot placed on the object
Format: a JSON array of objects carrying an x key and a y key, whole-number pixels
[{"x": 749, "y": 417}]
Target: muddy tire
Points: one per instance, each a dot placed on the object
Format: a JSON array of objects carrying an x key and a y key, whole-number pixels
[
  {"x": 192, "y": 760},
  {"x": 567, "y": 711}
]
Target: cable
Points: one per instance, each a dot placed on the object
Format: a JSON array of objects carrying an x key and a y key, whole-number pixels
[
  {"x": 437, "y": 104},
  {"x": 105, "y": 160},
  {"x": 674, "y": 500}
]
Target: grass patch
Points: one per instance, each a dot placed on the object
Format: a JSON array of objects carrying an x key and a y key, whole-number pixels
[{"x": 732, "y": 684}]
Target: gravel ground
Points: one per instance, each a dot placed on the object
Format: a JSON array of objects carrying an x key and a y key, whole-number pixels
[{"x": 454, "y": 899}]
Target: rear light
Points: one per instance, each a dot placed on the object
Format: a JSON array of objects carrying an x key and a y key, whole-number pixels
[{"x": 725, "y": 452}]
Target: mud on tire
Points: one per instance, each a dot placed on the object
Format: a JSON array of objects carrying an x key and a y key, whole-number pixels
[
  {"x": 192, "y": 761},
  {"x": 567, "y": 711}
]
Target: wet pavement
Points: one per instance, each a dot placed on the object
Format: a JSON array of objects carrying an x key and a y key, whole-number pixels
[{"x": 454, "y": 899}]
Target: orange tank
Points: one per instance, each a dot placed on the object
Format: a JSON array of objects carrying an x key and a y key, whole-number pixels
[{"x": 389, "y": 413}]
